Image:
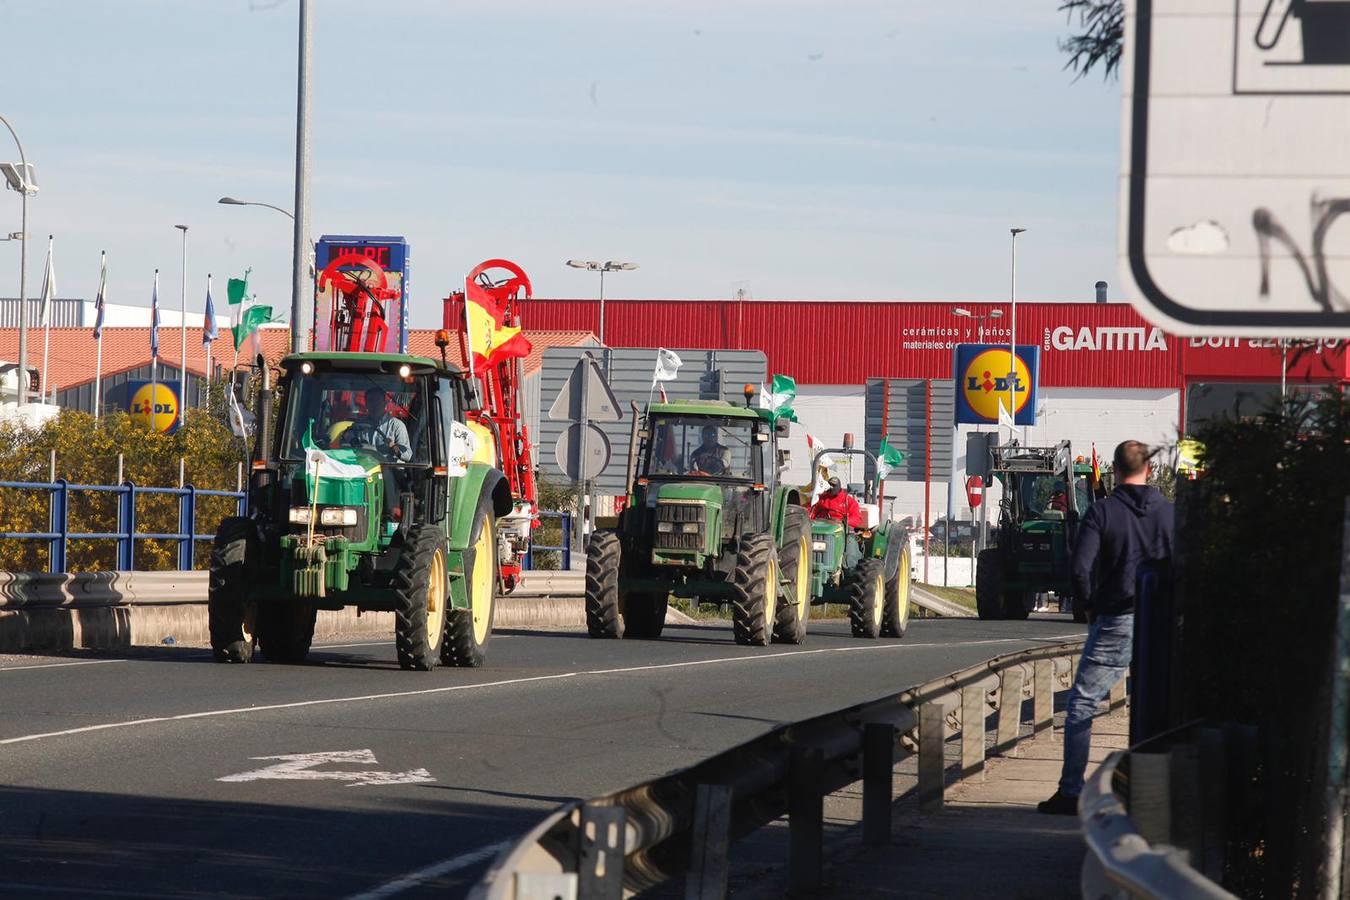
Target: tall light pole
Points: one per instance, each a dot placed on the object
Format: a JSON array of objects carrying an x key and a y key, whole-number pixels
[
  {"x": 24, "y": 181},
  {"x": 182, "y": 325},
  {"x": 602, "y": 268},
  {"x": 1012, "y": 338},
  {"x": 299, "y": 254},
  {"x": 230, "y": 201},
  {"x": 967, "y": 314}
]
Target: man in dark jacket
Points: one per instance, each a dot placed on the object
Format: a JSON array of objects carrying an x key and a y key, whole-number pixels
[{"x": 1117, "y": 536}]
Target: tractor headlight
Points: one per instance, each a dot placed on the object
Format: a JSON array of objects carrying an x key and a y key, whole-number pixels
[
  {"x": 817, "y": 545},
  {"x": 689, "y": 528},
  {"x": 665, "y": 527},
  {"x": 338, "y": 515},
  {"x": 300, "y": 515}
]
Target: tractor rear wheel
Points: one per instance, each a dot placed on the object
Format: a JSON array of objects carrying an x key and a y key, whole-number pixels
[
  {"x": 794, "y": 561},
  {"x": 467, "y": 630},
  {"x": 231, "y": 613},
  {"x": 895, "y": 618},
  {"x": 1017, "y": 604},
  {"x": 419, "y": 581},
  {"x": 989, "y": 584},
  {"x": 286, "y": 630},
  {"x": 866, "y": 588},
  {"x": 602, "y": 586},
  {"x": 755, "y": 584},
  {"x": 644, "y": 614}
]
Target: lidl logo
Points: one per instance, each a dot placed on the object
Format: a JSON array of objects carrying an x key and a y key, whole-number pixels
[
  {"x": 984, "y": 379},
  {"x": 154, "y": 406}
]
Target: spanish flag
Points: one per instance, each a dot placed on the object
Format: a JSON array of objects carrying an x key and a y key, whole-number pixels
[
  {"x": 490, "y": 338},
  {"x": 1096, "y": 468}
]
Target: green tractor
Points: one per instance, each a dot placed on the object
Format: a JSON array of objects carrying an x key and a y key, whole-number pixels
[
  {"x": 705, "y": 519},
  {"x": 1045, "y": 494},
  {"x": 866, "y": 568},
  {"x": 371, "y": 494}
]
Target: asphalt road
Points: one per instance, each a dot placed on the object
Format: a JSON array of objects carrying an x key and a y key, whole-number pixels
[{"x": 162, "y": 774}]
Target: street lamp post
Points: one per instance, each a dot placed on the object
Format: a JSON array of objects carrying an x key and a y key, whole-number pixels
[
  {"x": 299, "y": 262},
  {"x": 182, "y": 325},
  {"x": 967, "y": 314},
  {"x": 230, "y": 201},
  {"x": 1012, "y": 338},
  {"x": 602, "y": 268},
  {"x": 23, "y": 182}
]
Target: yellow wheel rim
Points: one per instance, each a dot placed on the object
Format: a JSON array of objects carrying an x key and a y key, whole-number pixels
[
  {"x": 480, "y": 599},
  {"x": 770, "y": 595},
  {"x": 903, "y": 603},
  {"x": 804, "y": 580},
  {"x": 878, "y": 601},
  {"x": 436, "y": 600}
]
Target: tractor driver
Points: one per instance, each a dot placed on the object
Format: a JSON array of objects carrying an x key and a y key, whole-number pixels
[
  {"x": 837, "y": 505},
  {"x": 1059, "y": 499},
  {"x": 710, "y": 457},
  {"x": 386, "y": 432}
]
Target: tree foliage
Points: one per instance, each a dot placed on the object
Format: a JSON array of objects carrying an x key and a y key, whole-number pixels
[{"x": 1098, "y": 38}]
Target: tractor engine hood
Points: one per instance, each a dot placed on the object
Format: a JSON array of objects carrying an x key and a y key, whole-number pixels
[{"x": 685, "y": 491}]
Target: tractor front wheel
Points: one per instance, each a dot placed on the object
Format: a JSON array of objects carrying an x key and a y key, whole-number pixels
[
  {"x": 231, "y": 614},
  {"x": 286, "y": 631},
  {"x": 866, "y": 589},
  {"x": 989, "y": 585},
  {"x": 755, "y": 584},
  {"x": 602, "y": 586},
  {"x": 644, "y": 614},
  {"x": 794, "y": 560},
  {"x": 468, "y": 630},
  {"x": 419, "y": 581}
]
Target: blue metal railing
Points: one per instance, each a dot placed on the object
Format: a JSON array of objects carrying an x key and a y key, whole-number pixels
[
  {"x": 59, "y": 534},
  {"x": 564, "y": 549}
]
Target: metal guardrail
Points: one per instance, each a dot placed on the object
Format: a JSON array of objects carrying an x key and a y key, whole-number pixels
[
  {"x": 685, "y": 822},
  {"x": 564, "y": 549},
  {"x": 58, "y": 535},
  {"x": 93, "y": 590}
]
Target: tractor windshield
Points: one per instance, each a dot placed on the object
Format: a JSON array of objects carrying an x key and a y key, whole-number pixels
[
  {"x": 376, "y": 411},
  {"x": 704, "y": 446},
  {"x": 1045, "y": 496}
]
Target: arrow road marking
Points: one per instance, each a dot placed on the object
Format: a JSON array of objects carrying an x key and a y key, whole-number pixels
[{"x": 300, "y": 767}]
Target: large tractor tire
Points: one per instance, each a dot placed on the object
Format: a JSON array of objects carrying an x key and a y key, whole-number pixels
[
  {"x": 603, "y": 558},
  {"x": 421, "y": 583},
  {"x": 895, "y": 617},
  {"x": 989, "y": 585},
  {"x": 644, "y": 614},
  {"x": 231, "y": 614},
  {"x": 467, "y": 631},
  {"x": 286, "y": 631},
  {"x": 794, "y": 561},
  {"x": 866, "y": 588},
  {"x": 755, "y": 601},
  {"x": 1017, "y": 604}
]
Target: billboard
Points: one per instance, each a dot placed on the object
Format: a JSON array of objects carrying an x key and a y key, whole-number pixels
[
  {"x": 371, "y": 273},
  {"x": 983, "y": 381},
  {"x": 154, "y": 405}
]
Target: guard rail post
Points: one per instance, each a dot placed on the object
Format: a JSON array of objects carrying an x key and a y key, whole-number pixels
[
  {"x": 126, "y": 527},
  {"x": 59, "y": 515},
  {"x": 1009, "y": 709},
  {"x": 187, "y": 527},
  {"x": 566, "y": 563},
  {"x": 710, "y": 856},
  {"x": 932, "y": 765},
  {"x": 1043, "y": 699},
  {"x": 806, "y": 819},
  {"x": 600, "y": 870},
  {"x": 972, "y": 731},
  {"x": 878, "y": 789}
]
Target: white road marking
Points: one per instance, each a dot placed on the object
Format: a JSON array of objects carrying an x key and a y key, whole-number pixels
[
  {"x": 300, "y": 767},
  {"x": 413, "y": 879},
  {"x": 83, "y": 662},
  {"x": 506, "y": 682}
]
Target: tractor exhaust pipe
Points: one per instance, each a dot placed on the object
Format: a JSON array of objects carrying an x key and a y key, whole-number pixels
[
  {"x": 263, "y": 441},
  {"x": 632, "y": 448}
]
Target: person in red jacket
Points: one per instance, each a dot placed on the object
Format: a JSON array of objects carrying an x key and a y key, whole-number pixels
[{"x": 836, "y": 504}]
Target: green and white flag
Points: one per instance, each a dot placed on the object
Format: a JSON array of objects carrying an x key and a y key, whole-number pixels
[
  {"x": 777, "y": 398},
  {"x": 237, "y": 289},
  {"x": 320, "y": 463},
  {"x": 249, "y": 321},
  {"x": 888, "y": 459}
]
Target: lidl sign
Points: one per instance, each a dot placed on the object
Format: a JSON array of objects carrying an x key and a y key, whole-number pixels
[
  {"x": 154, "y": 405},
  {"x": 984, "y": 379}
]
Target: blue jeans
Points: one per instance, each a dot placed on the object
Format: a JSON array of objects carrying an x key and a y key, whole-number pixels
[{"x": 1106, "y": 660}]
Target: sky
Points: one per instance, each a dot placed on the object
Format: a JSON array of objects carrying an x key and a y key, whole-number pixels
[{"x": 796, "y": 149}]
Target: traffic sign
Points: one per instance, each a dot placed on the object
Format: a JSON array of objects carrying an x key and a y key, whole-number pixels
[
  {"x": 571, "y": 448},
  {"x": 585, "y": 395},
  {"x": 1237, "y": 117},
  {"x": 974, "y": 491}
]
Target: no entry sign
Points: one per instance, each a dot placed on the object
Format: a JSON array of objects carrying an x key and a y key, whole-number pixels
[{"x": 974, "y": 490}]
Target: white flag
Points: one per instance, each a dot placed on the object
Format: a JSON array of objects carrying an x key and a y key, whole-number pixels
[
  {"x": 1004, "y": 418},
  {"x": 48, "y": 289},
  {"x": 320, "y": 465},
  {"x": 463, "y": 446},
  {"x": 668, "y": 364},
  {"x": 814, "y": 446}
]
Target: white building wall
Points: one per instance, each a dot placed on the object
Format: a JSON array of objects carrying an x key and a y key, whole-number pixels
[
  {"x": 121, "y": 315},
  {"x": 826, "y": 411}
]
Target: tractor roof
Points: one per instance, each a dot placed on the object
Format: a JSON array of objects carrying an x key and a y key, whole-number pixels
[
  {"x": 363, "y": 361},
  {"x": 705, "y": 408}
]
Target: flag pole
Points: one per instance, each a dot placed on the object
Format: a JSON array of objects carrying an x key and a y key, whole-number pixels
[
  {"x": 154, "y": 355},
  {"x": 206, "y": 328},
  {"x": 182, "y": 325},
  {"x": 47, "y": 298},
  {"x": 98, "y": 333}
]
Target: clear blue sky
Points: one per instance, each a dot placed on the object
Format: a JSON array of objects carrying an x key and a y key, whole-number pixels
[{"x": 801, "y": 148}]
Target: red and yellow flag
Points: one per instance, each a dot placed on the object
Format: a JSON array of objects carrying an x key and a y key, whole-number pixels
[
  {"x": 1096, "y": 468},
  {"x": 490, "y": 338}
]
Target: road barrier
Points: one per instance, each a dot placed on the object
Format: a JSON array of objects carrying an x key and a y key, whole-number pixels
[
  {"x": 564, "y": 550},
  {"x": 684, "y": 823}
]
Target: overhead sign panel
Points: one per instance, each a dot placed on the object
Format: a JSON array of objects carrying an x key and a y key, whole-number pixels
[{"x": 1237, "y": 182}]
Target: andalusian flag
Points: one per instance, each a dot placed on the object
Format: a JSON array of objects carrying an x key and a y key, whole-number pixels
[
  {"x": 777, "y": 398},
  {"x": 320, "y": 463},
  {"x": 252, "y": 318},
  {"x": 888, "y": 459},
  {"x": 490, "y": 338}
]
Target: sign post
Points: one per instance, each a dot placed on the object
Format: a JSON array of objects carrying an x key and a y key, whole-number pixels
[{"x": 583, "y": 450}]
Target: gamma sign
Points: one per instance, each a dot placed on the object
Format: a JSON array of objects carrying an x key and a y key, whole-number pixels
[{"x": 1236, "y": 212}]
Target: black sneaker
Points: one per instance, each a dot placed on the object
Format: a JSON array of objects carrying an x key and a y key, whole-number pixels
[{"x": 1059, "y": 805}]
